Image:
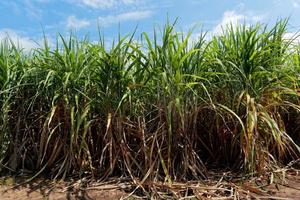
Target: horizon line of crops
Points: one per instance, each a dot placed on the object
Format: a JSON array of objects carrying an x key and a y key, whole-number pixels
[{"x": 166, "y": 108}]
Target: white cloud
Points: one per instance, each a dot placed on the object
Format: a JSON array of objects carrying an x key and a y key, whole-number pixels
[
  {"x": 29, "y": 7},
  {"x": 128, "y": 16},
  {"x": 231, "y": 17},
  {"x": 74, "y": 23},
  {"x": 13, "y": 6},
  {"x": 32, "y": 10},
  {"x": 295, "y": 4},
  {"x": 194, "y": 38},
  {"x": 292, "y": 36},
  {"x": 103, "y": 4},
  {"x": 20, "y": 41}
]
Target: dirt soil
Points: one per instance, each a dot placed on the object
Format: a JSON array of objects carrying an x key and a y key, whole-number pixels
[
  {"x": 57, "y": 191},
  {"x": 286, "y": 188}
]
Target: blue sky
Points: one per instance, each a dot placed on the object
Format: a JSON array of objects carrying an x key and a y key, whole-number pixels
[{"x": 25, "y": 20}]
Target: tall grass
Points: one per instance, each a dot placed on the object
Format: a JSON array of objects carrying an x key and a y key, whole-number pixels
[{"x": 165, "y": 108}]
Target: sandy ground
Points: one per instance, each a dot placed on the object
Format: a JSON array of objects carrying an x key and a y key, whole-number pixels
[
  {"x": 288, "y": 188},
  {"x": 32, "y": 193}
]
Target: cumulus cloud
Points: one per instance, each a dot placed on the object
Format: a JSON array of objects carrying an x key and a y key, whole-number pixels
[
  {"x": 232, "y": 17},
  {"x": 294, "y": 37},
  {"x": 103, "y": 4},
  {"x": 295, "y": 4},
  {"x": 128, "y": 16},
  {"x": 21, "y": 41},
  {"x": 75, "y": 23}
]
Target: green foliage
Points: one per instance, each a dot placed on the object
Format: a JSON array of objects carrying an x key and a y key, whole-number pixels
[{"x": 158, "y": 109}]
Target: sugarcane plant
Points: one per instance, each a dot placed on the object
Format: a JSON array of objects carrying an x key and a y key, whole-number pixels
[{"x": 152, "y": 107}]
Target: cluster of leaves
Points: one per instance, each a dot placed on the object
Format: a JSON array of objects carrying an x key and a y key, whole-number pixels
[{"x": 161, "y": 108}]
